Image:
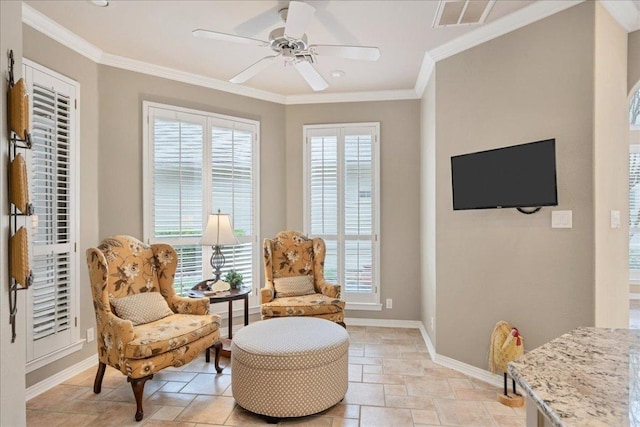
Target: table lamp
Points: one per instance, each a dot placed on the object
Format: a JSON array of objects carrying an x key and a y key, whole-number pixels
[{"x": 219, "y": 233}]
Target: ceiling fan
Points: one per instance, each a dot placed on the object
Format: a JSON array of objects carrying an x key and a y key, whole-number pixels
[{"x": 290, "y": 43}]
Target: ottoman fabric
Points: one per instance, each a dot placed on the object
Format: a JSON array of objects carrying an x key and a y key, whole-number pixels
[{"x": 290, "y": 367}]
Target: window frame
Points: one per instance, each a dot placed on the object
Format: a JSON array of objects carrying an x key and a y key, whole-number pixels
[
  {"x": 75, "y": 342},
  {"x": 208, "y": 119},
  {"x": 371, "y": 302}
]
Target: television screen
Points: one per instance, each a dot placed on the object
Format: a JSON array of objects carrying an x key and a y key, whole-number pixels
[{"x": 511, "y": 177}]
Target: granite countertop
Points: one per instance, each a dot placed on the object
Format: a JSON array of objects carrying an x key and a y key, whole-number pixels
[{"x": 587, "y": 377}]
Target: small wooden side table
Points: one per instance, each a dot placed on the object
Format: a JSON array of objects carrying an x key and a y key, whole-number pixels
[{"x": 230, "y": 295}]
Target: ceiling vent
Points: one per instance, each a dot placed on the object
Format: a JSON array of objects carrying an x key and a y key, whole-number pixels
[{"x": 462, "y": 12}]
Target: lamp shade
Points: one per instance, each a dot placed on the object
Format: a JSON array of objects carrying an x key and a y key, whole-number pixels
[{"x": 219, "y": 231}]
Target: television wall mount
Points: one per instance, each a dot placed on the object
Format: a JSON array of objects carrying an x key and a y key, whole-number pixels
[{"x": 529, "y": 212}]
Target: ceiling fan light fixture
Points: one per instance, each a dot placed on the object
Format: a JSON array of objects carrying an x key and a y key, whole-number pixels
[
  {"x": 100, "y": 3},
  {"x": 337, "y": 74}
]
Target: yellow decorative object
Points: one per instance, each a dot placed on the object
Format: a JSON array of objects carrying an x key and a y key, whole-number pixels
[
  {"x": 19, "y": 109},
  {"x": 506, "y": 345},
  {"x": 19, "y": 191},
  {"x": 19, "y": 247}
]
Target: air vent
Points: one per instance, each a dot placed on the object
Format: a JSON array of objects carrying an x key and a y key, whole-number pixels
[{"x": 462, "y": 12}]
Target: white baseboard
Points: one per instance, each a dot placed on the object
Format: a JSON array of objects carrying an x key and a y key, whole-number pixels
[
  {"x": 470, "y": 370},
  {"x": 445, "y": 361},
  {"x": 389, "y": 323},
  {"x": 44, "y": 385},
  {"x": 427, "y": 341}
]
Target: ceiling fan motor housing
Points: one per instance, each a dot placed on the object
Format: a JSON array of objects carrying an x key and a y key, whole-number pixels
[{"x": 287, "y": 47}]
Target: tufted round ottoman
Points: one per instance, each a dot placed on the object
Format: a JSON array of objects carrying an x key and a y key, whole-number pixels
[{"x": 290, "y": 367}]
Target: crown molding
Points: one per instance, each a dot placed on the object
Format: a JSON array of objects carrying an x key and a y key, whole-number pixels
[
  {"x": 625, "y": 12},
  {"x": 532, "y": 13},
  {"x": 426, "y": 69},
  {"x": 40, "y": 22},
  {"x": 190, "y": 78},
  {"x": 535, "y": 12},
  {"x": 327, "y": 98}
]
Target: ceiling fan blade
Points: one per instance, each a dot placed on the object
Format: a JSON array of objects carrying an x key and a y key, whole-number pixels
[
  {"x": 298, "y": 17},
  {"x": 228, "y": 37},
  {"x": 311, "y": 75},
  {"x": 364, "y": 53},
  {"x": 254, "y": 69}
]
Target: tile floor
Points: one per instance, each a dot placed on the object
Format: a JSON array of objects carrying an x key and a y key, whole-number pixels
[{"x": 392, "y": 382}]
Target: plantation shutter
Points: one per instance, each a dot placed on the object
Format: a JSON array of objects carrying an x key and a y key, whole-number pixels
[
  {"x": 358, "y": 209},
  {"x": 177, "y": 191},
  {"x": 323, "y": 201},
  {"x": 634, "y": 187},
  {"x": 232, "y": 189},
  {"x": 53, "y": 187},
  {"x": 197, "y": 163},
  {"x": 341, "y": 205}
]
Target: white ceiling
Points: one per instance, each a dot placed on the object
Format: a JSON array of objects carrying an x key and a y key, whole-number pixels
[{"x": 159, "y": 33}]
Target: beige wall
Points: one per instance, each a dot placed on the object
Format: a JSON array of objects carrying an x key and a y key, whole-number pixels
[
  {"x": 633, "y": 60},
  {"x": 400, "y": 197},
  {"x": 12, "y": 355},
  {"x": 51, "y": 54},
  {"x": 121, "y": 94},
  {"x": 610, "y": 170},
  {"x": 497, "y": 264},
  {"x": 428, "y": 187}
]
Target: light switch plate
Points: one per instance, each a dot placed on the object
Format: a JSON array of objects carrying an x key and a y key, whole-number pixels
[
  {"x": 561, "y": 219},
  {"x": 615, "y": 219}
]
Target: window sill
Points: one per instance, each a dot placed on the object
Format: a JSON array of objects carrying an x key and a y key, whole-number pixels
[
  {"x": 363, "y": 306},
  {"x": 52, "y": 357}
]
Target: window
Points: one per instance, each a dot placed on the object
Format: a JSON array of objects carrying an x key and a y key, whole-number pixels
[
  {"x": 195, "y": 164},
  {"x": 341, "y": 205},
  {"x": 54, "y": 297},
  {"x": 634, "y": 188}
]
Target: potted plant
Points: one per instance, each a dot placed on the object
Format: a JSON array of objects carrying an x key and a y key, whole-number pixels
[{"x": 233, "y": 278}]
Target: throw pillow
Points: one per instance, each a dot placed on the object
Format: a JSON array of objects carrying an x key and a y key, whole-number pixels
[
  {"x": 141, "y": 308},
  {"x": 293, "y": 286}
]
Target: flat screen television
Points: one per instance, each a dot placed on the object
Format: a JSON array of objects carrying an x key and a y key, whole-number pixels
[{"x": 512, "y": 177}]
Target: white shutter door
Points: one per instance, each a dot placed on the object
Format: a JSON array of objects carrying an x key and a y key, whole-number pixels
[
  {"x": 341, "y": 205},
  {"x": 359, "y": 196},
  {"x": 177, "y": 191},
  {"x": 323, "y": 202},
  {"x": 233, "y": 191},
  {"x": 53, "y": 188}
]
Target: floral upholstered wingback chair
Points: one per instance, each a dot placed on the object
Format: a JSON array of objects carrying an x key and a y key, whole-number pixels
[
  {"x": 143, "y": 326},
  {"x": 294, "y": 279}
]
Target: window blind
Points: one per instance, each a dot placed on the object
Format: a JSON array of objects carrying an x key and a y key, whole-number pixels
[
  {"x": 232, "y": 184},
  {"x": 340, "y": 199},
  {"x": 201, "y": 163},
  {"x": 53, "y": 187},
  {"x": 177, "y": 193}
]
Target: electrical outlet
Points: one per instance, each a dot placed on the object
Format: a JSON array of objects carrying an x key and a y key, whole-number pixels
[
  {"x": 90, "y": 336},
  {"x": 389, "y": 303},
  {"x": 432, "y": 323}
]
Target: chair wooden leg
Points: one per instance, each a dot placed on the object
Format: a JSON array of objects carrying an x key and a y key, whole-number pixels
[
  {"x": 97, "y": 384},
  {"x": 342, "y": 324},
  {"x": 218, "y": 347},
  {"x": 137, "y": 384}
]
